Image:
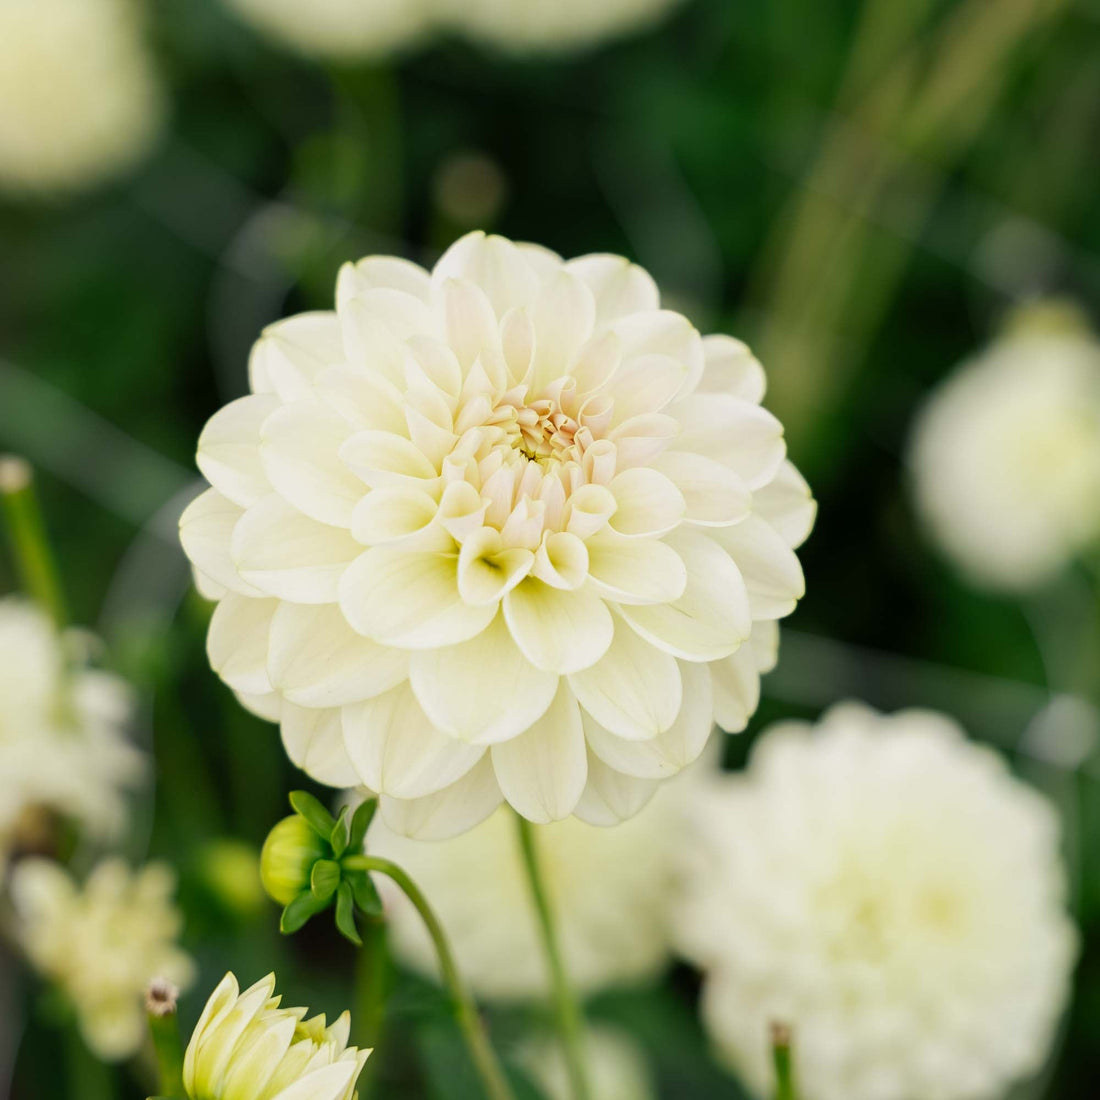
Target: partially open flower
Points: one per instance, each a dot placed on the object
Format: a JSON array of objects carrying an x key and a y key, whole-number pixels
[
  {"x": 508, "y": 530},
  {"x": 245, "y": 1047}
]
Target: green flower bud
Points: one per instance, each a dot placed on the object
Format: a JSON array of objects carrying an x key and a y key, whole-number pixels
[{"x": 289, "y": 853}]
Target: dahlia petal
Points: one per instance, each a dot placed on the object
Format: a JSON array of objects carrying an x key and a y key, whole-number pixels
[
  {"x": 300, "y": 451},
  {"x": 663, "y": 332},
  {"x": 228, "y": 453},
  {"x": 736, "y": 433},
  {"x": 544, "y": 261},
  {"x": 392, "y": 513},
  {"x": 564, "y": 313},
  {"x": 542, "y": 773},
  {"x": 409, "y": 600},
  {"x": 494, "y": 264},
  {"x": 384, "y": 458},
  {"x": 316, "y": 660},
  {"x": 557, "y": 630},
  {"x": 268, "y": 707},
  {"x": 255, "y": 1062},
  {"x": 461, "y": 510},
  {"x": 237, "y": 640},
  {"x": 397, "y": 751},
  {"x": 765, "y": 644},
  {"x": 207, "y": 587},
  {"x": 785, "y": 502},
  {"x": 431, "y": 361},
  {"x": 370, "y": 345},
  {"x": 590, "y": 507},
  {"x": 596, "y": 363},
  {"x": 712, "y": 616},
  {"x": 291, "y": 353},
  {"x": 481, "y": 691},
  {"x": 331, "y": 1082},
  {"x": 517, "y": 343},
  {"x": 634, "y": 690},
  {"x": 670, "y": 752},
  {"x": 715, "y": 495},
  {"x": 382, "y": 271},
  {"x": 448, "y": 812},
  {"x": 731, "y": 368},
  {"x": 206, "y": 530},
  {"x": 314, "y": 741},
  {"x": 488, "y": 569},
  {"x": 647, "y": 503},
  {"x": 561, "y": 561},
  {"x": 642, "y": 438},
  {"x": 736, "y": 684},
  {"x": 429, "y": 424},
  {"x": 635, "y": 570},
  {"x": 363, "y": 398},
  {"x": 404, "y": 315},
  {"x": 473, "y": 331},
  {"x": 291, "y": 556},
  {"x": 645, "y": 384},
  {"x": 772, "y": 572},
  {"x": 619, "y": 287},
  {"x": 610, "y": 797}
]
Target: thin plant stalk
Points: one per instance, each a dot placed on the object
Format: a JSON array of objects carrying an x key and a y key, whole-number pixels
[
  {"x": 566, "y": 1008},
  {"x": 469, "y": 1019},
  {"x": 160, "y": 1009},
  {"x": 372, "y": 980},
  {"x": 781, "y": 1061}
]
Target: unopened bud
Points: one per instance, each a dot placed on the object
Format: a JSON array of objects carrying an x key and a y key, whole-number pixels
[{"x": 286, "y": 862}]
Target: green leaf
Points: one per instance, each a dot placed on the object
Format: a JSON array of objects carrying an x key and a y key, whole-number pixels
[
  {"x": 320, "y": 820},
  {"x": 323, "y": 879},
  {"x": 365, "y": 893},
  {"x": 295, "y": 915},
  {"x": 345, "y": 914},
  {"x": 338, "y": 838},
  {"x": 360, "y": 822}
]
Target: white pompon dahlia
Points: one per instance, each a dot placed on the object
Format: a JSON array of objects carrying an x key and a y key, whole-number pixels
[
  {"x": 892, "y": 893},
  {"x": 1006, "y": 454},
  {"x": 539, "y": 26},
  {"x": 63, "y": 744},
  {"x": 338, "y": 28},
  {"x": 245, "y": 1047},
  {"x": 508, "y": 530},
  {"x": 79, "y": 97},
  {"x": 102, "y": 943}
]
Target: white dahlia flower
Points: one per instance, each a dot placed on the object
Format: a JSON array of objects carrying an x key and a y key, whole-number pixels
[
  {"x": 245, "y": 1047},
  {"x": 616, "y": 1066},
  {"x": 609, "y": 889},
  {"x": 1006, "y": 454},
  {"x": 79, "y": 98},
  {"x": 889, "y": 891},
  {"x": 102, "y": 944},
  {"x": 337, "y": 28},
  {"x": 501, "y": 531},
  {"x": 63, "y": 746},
  {"x": 540, "y": 26}
]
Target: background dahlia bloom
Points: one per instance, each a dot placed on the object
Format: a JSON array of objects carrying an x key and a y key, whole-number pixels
[
  {"x": 616, "y": 1065},
  {"x": 1006, "y": 454},
  {"x": 245, "y": 1047},
  {"x": 895, "y": 895},
  {"x": 79, "y": 98},
  {"x": 337, "y": 28},
  {"x": 508, "y": 530},
  {"x": 102, "y": 943},
  {"x": 63, "y": 744}
]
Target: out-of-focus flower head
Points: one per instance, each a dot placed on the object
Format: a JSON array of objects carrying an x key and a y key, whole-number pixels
[
  {"x": 504, "y": 531},
  {"x": 63, "y": 748},
  {"x": 79, "y": 98},
  {"x": 609, "y": 889},
  {"x": 1006, "y": 454},
  {"x": 616, "y": 1066},
  {"x": 536, "y": 25},
  {"x": 895, "y": 896},
  {"x": 245, "y": 1047},
  {"x": 102, "y": 943},
  {"x": 338, "y": 28}
]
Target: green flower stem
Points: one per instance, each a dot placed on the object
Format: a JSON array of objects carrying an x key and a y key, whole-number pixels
[
  {"x": 469, "y": 1019},
  {"x": 27, "y": 534},
  {"x": 88, "y": 1077},
  {"x": 168, "y": 1047},
  {"x": 570, "y": 1024},
  {"x": 372, "y": 982},
  {"x": 781, "y": 1060}
]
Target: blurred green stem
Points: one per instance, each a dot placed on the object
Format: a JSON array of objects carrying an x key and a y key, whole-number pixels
[
  {"x": 372, "y": 980},
  {"x": 167, "y": 1045},
  {"x": 27, "y": 534},
  {"x": 570, "y": 1024},
  {"x": 781, "y": 1060},
  {"x": 469, "y": 1019},
  {"x": 88, "y": 1078}
]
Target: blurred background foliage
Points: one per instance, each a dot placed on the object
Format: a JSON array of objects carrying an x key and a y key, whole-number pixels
[{"x": 859, "y": 189}]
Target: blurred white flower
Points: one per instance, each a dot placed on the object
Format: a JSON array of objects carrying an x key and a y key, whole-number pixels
[
  {"x": 63, "y": 747},
  {"x": 609, "y": 889},
  {"x": 498, "y": 531},
  {"x": 338, "y": 28},
  {"x": 79, "y": 98},
  {"x": 616, "y": 1066},
  {"x": 245, "y": 1047},
  {"x": 102, "y": 944},
  {"x": 1006, "y": 454},
  {"x": 889, "y": 891},
  {"x": 540, "y": 26}
]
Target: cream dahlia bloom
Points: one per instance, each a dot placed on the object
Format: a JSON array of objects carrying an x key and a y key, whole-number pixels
[
  {"x": 892, "y": 893},
  {"x": 79, "y": 98},
  {"x": 245, "y": 1047},
  {"x": 507, "y": 530},
  {"x": 1006, "y": 454},
  {"x": 541, "y": 26},
  {"x": 338, "y": 28},
  {"x": 63, "y": 746},
  {"x": 609, "y": 889},
  {"x": 616, "y": 1066},
  {"x": 102, "y": 944}
]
